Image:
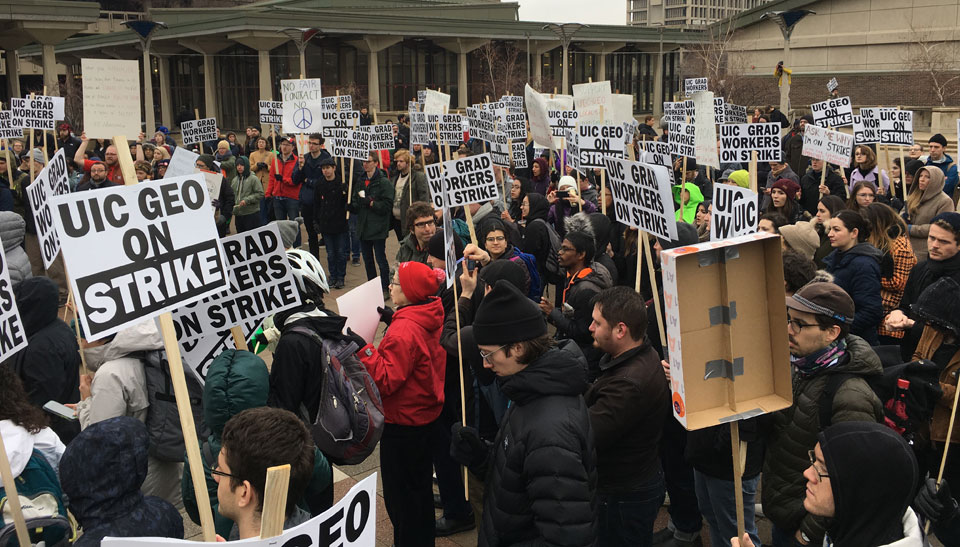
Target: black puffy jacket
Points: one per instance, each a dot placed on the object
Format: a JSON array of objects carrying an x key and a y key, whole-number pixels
[{"x": 542, "y": 480}]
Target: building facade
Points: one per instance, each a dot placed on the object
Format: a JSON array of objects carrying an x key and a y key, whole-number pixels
[{"x": 684, "y": 13}]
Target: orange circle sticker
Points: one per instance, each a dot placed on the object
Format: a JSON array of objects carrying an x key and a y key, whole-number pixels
[{"x": 678, "y": 405}]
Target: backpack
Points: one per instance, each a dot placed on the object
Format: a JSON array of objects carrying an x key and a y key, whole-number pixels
[
  {"x": 163, "y": 418},
  {"x": 41, "y": 501},
  {"x": 552, "y": 270},
  {"x": 349, "y": 420},
  {"x": 529, "y": 262}
]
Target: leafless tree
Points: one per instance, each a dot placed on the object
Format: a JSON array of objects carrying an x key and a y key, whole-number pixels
[
  {"x": 503, "y": 69},
  {"x": 717, "y": 56},
  {"x": 936, "y": 60}
]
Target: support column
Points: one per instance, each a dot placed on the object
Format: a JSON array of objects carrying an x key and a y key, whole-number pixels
[
  {"x": 602, "y": 67},
  {"x": 537, "y": 60},
  {"x": 657, "y": 61},
  {"x": 462, "y": 95},
  {"x": 266, "y": 85},
  {"x": 166, "y": 101},
  {"x": 602, "y": 49},
  {"x": 565, "y": 89},
  {"x": 50, "y": 79},
  {"x": 373, "y": 81},
  {"x": 149, "y": 116},
  {"x": 13, "y": 73},
  {"x": 209, "y": 86}
]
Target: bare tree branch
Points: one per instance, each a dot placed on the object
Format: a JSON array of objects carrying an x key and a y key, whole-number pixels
[{"x": 935, "y": 60}]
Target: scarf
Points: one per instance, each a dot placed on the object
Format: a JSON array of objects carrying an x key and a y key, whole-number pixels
[{"x": 808, "y": 365}]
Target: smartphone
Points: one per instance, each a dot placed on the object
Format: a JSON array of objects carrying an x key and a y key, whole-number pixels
[
  {"x": 60, "y": 410},
  {"x": 562, "y": 194},
  {"x": 471, "y": 264}
]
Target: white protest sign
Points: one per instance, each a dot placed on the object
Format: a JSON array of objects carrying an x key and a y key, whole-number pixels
[
  {"x": 481, "y": 124},
  {"x": 518, "y": 154},
  {"x": 896, "y": 127},
  {"x": 436, "y": 180},
  {"x": 515, "y": 126},
  {"x": 734, "y": 113},
  {"x": 271, "y": 112},
  {"x": 198, "y": 131},
  {"x": 675, "y": 112},
  {"x": 656, "y": 152},
  {"x": 450, "y": 248},
  {"x": 682, "y": 139},
  {"x": 7, "y": 129},
  {"x": 421, "y": 95},
  {"x": 302, "y": 105},
  {"x": 593, "y": 102},
  {"x": 694, "y": 85},
  {"x": 351, "y": 522},
  {"x": 597, "y": 141},
  {"x": 561, "y": 121},
  {"x": 629, "y": 129},
  {"x": 338, "y": 119},
  {"x": 38, "y": 112},
  {"x": 451, "y": 129},
  {"x": 13, "y": 337},
  {"x": 642, "y": 196},
  {"x": 183, "y": 162},
  {"x": 212, "y": 180},
  {"x": 830, "y": 146},
  {"x": 303, "y": 143},
  {"x": 134, "y": 252},
  {"x": 706, "y": 131},
  {"x": 51, "y": 181},
  {"x": 719, "y": 112},
  {"x": 200, "y": 353},
  {"x": 737, "y": 141},
  {"x": 500, "y": 150},
  {"x": 359, "y": 306},
  {"x": 419, "y": 132},
  {"x": 111, "y": 98},
  {"x": 470, "y": 180},
  {"x": 832, "y": 84},
  {"x": 381, "y": 136},
  {"x": 435, "y": 102},
  {"x": 350, "y": 143},
  {"x": 866, "y": 126},
  {"x": 499, "y": 109},
  {"x": 736, "y": 211},
  {"x": 538, "y": 117},
  {"x": 621, "y": 109},
  {"x": 413, "y": 106},
  {"x": 261, "y": 284},
  {"x": 344, "y": 102},
  {"x": 572, "y": 151},
  {"x": 833, "y": 113},
  {"x": 514, "y": 103}
]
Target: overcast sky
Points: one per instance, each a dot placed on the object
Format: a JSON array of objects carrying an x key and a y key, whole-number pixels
[{"x": 598, "y": 12}]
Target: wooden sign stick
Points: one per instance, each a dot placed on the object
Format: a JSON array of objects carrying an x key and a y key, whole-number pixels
[
  {"x": 653, "y": 287},
  {"x": 274, "y": 501},
  {"x": 737, "y": 474},
  {"x": 463, "y": 400},
  {"x": 13, "y": 500},
  {"x": 946, "y": 447},
  {"x": 9, "y": 158}
]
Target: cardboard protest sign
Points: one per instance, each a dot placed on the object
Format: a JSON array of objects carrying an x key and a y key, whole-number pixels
[
  {"x": 593, "y": 102},
  {"x": 682, "y": 139},
  {"x": 302, "y": 105},
  {"x": 694, "y": 85},
  {"x": 381, "y": 136},
  {"x": 182, "y": 162},
  {"x": 338, "y": 119},
  {"x": 212, "y": 180},
  {"x": 271, "y": 112},
  {"x": 111, "y": 98},
  {"x": 675, "y": 112},
  {"x": 642, "y": 196},
  {"x": 706, "y": 131},
  {"x": 719, "y": 112},
  {"x": 498, "y": 108},
  {"x": 350, "y": 143},
  {"x": 734, "y": 113},
  {"x": 561, "y": 121},
  {"x": 597, "y": 141},
  {"x": 38, "y": 112},
  {"x": 737, "y": 141},
  {"x": 51, "y": 181},
  {"x": 7, "y": 129},
  {"x": 359, "y": 306},
  {"x": 470, "y": 180},
  {"x": 832, "y": 84},
  {"x": 451, "y": 129},
  {"x": 866, "y": 126},
  {"x": 198, "y": 131},
  {"x": 736, "y": 212},
  {"x": 421, "y": 96},
  {"x": 629, "y": 130},
  {"x": 621, "y": 109},
  {"x": 833, "y": 113},
  {"x": 518, "y": 154},
  {"x": 413, "y": 106},
  {"x": 515, "y": 126},
  {"x": 13, "y": 337},
  {"x": 537, "y": 115},
  {"x": 337, "y": 102},
  {"x": 514, "y": 103},
  {"x": 437, "y": 181},
  {"x": 572, "y": 151},
  {"x": 351, "y": 522},
  {"x": 830, "y": 146},
  {"x": 261, "y": 284},
  {"x": 500, "y": 150},
  {"x": 727, "y": 339},
  {"x": 896, "y": 127},
  {"x": 200, "y": 353},
  {"x": 482, "y": 124},
  {"x": 656, "y": 152},
  {"x": 435, "y": 102},
  {"x": 134, "y": 252},
  {"x": 419, "y": 131}
]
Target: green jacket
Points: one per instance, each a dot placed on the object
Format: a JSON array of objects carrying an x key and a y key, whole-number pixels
[
  {"x": 375, "y": 209},
  {"x": 249, "y": 189},
  {"x": 689, "y": 214},
  {"x": 795, "y": 431},
  {"x": 229, "y": 166},
  {"x": 236, "y": 381},
  {"x": 408, "y": 251}
]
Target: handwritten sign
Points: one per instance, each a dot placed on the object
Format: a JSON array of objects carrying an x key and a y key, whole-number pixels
[{"x": 111, "y": 98}]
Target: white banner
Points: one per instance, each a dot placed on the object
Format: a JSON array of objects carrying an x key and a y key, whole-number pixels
[
  {"x": 866, "y": 126},
  {"x": 198, "y": 131},
  {"x": 682, "y": 139},
  {"x": 830, "y": 146},
  {"x": 736, "y": 211},
  {"x": 514, "y": 103},
  {"x": 719, "y": 112},
  {"x": 642, "y": 196},
  {"x": 734, "y": 113},
  {"x": 451, "y": 129},
  {"x": 435, "y": 102},
  {"x": 833, "y": 113},
  {"x": 200, "y": 353},
  {"x": 338, "y": 119},
  {"x": 737, "y": 141},
  {"x": 302, "y": 105},
  {"x": 111, "y": 98},
  {"x": 51, "y": 181},
  {"x": 572, "y": 151},
  {"x": 436, "y": 179},
  {"x": 500, "y": 150},
  {"x": 515, "y": 126},
  {"x": 539, "y": 119},
  {"x": 518, "y": 154},
  {"x": 337, "y": 102}
]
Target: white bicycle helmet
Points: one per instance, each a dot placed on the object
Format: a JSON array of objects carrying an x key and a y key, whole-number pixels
[{"x": 309, "y": 273}]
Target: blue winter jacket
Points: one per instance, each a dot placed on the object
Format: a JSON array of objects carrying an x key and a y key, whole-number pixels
[{"x": 857, "y": 271}]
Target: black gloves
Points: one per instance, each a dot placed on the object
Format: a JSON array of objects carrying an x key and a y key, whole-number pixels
[
  {"x": 261, "y": 166},
  {"x": 467, "y": 448},
  {"x": 386, "y": 314},
  {"x": 278, "y": 177},
  {"x": 936, "y": 505},
  {"x": 355, "y": 338}
]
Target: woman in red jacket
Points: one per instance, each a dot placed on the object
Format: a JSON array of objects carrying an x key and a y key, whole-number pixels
[{"x": 409, "y": 369}]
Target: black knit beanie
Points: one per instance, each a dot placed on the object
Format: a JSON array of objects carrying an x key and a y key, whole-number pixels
[
  {"x": 435, "y": 245},
  {"x": 506, "y": 316}
]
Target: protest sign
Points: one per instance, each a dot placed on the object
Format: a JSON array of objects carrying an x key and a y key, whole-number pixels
[
  {"x": 450, "y": 258},
  {"x": 271, "y": 112},
  {"x": 111, "y": 98},
  {"x": 593, "y": 102},
  {"x": 381, "y": 136},
  {"x": 896, "y": 127},
  {"x": 337, "y": 102},
  {"x": 514, "y": 103},
  {"x": 421, "y": 96},
  {"x": 261, "y": 284},
  {"x": 629, "y": 130},
  {"x": 500, "y": 150},
  {"x": 518, "y": 154},
  {"x": 736, "y": 211},
  {"x": 562, "y": 121},
  {"x": 832, "y": 84},
  {"x": 7, "y": 129},
  {"x": 597, "y": 141},
  {"x": 694, "y": 85},
  {"x": 198, "y": 131},
  {"x": 621, "y": 109},
  {"x": 351, "y": 522},
  {"x": 13, "y": 337},
  {"x": 498, "y": 108},
  {"x": 359, "y": 306},
  {"x": 182, "y": 162},
  {"x": 537, "y": 115},
  {"x": 302, "y": 105},
  {"x": 830, "y": 146},
  {"x": 212, "y": 180},
  {"x": 436, "y": 180},
  {"x": 734, "y": 113},
  {"x": 350, "y": 143},
  {"x": 482, "y": 124},
  {"x": 451, "y": 129},
  {"x": 656, "y": 152},
  {"x": 737, "y": 141},
  {"x": 419, "y": 132},
  {"x": 338, "y": 119},
  {"x": 134, "y": 252},
  {"x": 642, "y": 196},
  {"x": 515, "y": 126},
  {"x": 51, "y": 181},
  {"x": 200, "y": 353},
  {"x": 303, "y": 143},
  {"x": 682, "y": 141},
  {"x": 572, "y": 151},
  {"x": 37, "y": 112},
  {"x": 833, "y": 113},
  {"x": 674, "y": 112},
  {"x": 470, "y": 180},
  {"x": 435, "y": 102},
  {"x": 413, "y": 106},
  {"x": 866, "y": 126},
  {"x": 719, "y": 112},
  {"x": 706, "y": 131}
]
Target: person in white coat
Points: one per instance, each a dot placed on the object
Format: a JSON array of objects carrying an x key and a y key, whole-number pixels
[{"x": 23, "y": 426}]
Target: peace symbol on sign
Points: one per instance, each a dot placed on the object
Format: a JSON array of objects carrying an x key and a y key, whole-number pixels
[{"x": 302, "y": 118}]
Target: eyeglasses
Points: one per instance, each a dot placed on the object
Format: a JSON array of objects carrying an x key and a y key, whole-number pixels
[
  {"x": 486, "y": 356},
  {"x": 797, "y": 326},
  {"x": 424, "y": 224},
  {"x": 217, "y": 473},
  {"x": 496, "y": 239},
  {"x": 813, "y": 464},
  {"x": 566, "y": 249}
]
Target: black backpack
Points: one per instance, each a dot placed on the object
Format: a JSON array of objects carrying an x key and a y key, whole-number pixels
[
  {"x": 349, "y": 420},
  {"x": 163, "y": 418},
  {"x": 552, "y": 270}
]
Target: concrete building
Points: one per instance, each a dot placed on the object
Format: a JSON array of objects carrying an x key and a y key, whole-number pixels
[
  {"x": 222, "y": 60},
  {"x": 684, "y": 13}
]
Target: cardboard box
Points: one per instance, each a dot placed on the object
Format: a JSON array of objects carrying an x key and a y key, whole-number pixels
[{"x": 726, "y": 330}]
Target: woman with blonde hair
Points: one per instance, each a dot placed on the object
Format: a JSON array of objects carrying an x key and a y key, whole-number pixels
[
  {"x": 888, "y": 233},
  {"x": 925, "y": 200}
]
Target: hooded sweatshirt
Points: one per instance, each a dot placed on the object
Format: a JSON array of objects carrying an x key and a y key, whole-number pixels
[
  {"x": 246, "y": 188},
  {"x": 535, "y": 237},
  {"x": 932, "y": 202},
  {"x": 101, "y": 473},
  {"x": 857, "y": 271},
  {"x": 541, "y": 184},
  {"x": 689, "y": 212}
]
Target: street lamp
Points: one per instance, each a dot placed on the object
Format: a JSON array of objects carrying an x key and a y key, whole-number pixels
[
  {"x": 300, "y": 37},
  {"x": 786, "y": 20},
  {"x": 145, "y": 30},
  {"x": 565, "y": 32}
]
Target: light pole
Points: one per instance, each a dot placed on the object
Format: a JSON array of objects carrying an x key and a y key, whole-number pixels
[
  {"x": 565, "y": 32},
  {"x": 786, "y": 20},
  {"x": 145, "y": 30},
  {"x": 300, "y": 37}
]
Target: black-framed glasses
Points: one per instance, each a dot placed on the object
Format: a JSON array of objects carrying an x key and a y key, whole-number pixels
[
  {"x": 216, "y": 472},
  {"x": 486, "y": 356},
  {"x": 813, "y": 463},
  {"x": 424, "y": 224},
  {"x": 496, "y": 239},
  {"x": 797, "y": 326}
]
